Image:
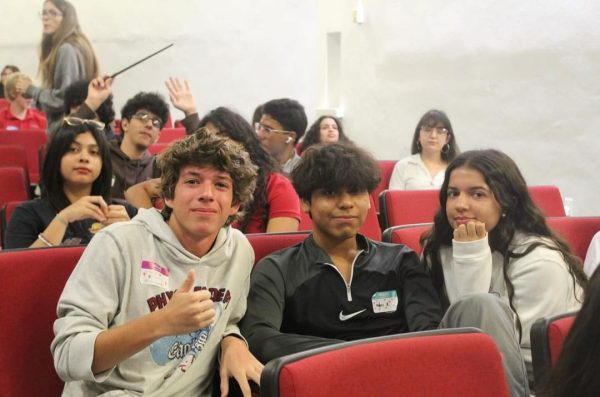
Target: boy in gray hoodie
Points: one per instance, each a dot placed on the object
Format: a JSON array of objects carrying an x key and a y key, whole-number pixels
[{"x": 153, "y": 301}]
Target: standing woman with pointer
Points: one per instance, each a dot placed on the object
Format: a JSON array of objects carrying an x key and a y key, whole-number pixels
[{"x": 66, "y": 56}]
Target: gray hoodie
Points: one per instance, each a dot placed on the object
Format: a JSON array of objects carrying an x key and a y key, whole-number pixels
[{"x": 128, "y": 270}]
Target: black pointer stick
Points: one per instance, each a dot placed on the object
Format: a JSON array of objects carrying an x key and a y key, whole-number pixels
[{"x": 140, "y": 61}]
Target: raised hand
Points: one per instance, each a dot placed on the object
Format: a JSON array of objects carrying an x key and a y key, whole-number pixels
[
  {"x": 470, "y": 231},
  {"x": 181, "y": 95},
  {"x": 87, "y": 207},
  {"x": 99, "y": 90},
  {"x": 188, "y": 310}
]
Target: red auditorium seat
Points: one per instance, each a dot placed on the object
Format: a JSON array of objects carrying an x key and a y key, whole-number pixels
[
  {"x": 451, "y": 363},
  {"x": 31, "y": 140},
  {"x": 385, "y": 168},
  {"x": 407, "y": 207},
  {"x": 31, "y": 283},
  {"x": 576, "y": 231},
  {"x": 158, "y": 147},
  {"x": 14, "y": 155},
  {"x": 547, "y": 338},
  {"x": 5, "y": 214},
  {"x": 266, "y": 243},
  {"x": 409, "y": 235},
  {"x": 13, "y": 182},
  {"x": 548, "y": 199},
  {"x": 170, "y": 134},
  {"x": 370, "y": 228}
]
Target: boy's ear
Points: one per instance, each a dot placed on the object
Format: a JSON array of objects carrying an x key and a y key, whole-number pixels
[
  {"x": 124, "y": 125},
  {"x": 305, "y": 206}
]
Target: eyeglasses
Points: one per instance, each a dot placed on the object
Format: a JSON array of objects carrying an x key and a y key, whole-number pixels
[
  {"x": 429, "y": 130},
  {"x": 144, "y": 117},
  {"x": 75, "y": 121},
  {"x": 261, "y": 128},
  {"x": 49, "y": 14}
]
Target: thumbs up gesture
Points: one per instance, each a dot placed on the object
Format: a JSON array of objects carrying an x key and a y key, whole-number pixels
[{"x": 188, "y": 310}]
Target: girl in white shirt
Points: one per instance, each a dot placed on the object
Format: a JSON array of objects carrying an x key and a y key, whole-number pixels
[
  {"x": 433, "y": 147},
  {"x": 489, "y": 237}
]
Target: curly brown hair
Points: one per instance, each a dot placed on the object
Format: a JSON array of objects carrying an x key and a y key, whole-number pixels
[{"x": 205, "y": 149}]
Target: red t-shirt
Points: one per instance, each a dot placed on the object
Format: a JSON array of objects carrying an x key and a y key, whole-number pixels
[
  {"x": 283, "y": 202},
  {"x": 34, "y": 119}
]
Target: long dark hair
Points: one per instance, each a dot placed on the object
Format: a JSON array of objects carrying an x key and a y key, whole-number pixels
[
  {"x": 237, "y": 128},
  {"x": 313, "y": 135},
  {"x": 432, "y": 118},
  {"x": 68, "y": 32},
  {"x": 51, "y": 179},
  {"x": 576, "y": 372},
  {"x": 520, "y": 214}
]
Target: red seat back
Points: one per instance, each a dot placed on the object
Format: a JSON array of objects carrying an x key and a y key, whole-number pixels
[
  {"x": 158, "y": 147},
  {"x": 409, "y": 235},
  {"x": 450, "y": 363},
  {"x": 171, "y": 134},
  {"x": 14, "y": 155},
  {"x": 548, "y": 335},
  {"x": 31, "y": 140},
  {"x": 31, "y": 283},
  {"x": 386, "y": 167},
  {"x": 548, "y": 199},
  {"x": 407, "y": 207},
  {"x": 370, "y": 228},
  {"x": 577, "y": 231},
  {"x": 14, "y": 186},
  {"x": 5, "y": 214},
  {"x": 265, "y": 244}
]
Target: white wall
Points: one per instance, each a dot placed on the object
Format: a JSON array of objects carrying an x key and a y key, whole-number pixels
[{"x": 518, "y": 76}]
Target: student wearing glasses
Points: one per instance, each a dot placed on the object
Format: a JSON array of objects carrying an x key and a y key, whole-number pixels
[
  {"x": 433, "y": 147},
  {"x": 282, "y": 124},
  {"x": 66, "y": 55},
  {"x": 75, "y": 182}
]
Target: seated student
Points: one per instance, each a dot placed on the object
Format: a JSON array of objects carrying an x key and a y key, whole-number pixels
[
  {"x": 577, "y": 368},
  {"x": 19, "y": 114},
  {"x": 282, "y": 124},
  {"x": 490, "y": 237},
  {"x": 592, "y": 257},
  {"x": 152, "y": 301},
  {"x": 327, "y": 129},
  {"x": 75, "y": 184},
  {"x": 275, "y": 207},
  {"x": 75, "y": 97},
  {"x": 337, "y": 284},
  {"x": 6, "y": 71},
  {"x": 433, "y": 147}
]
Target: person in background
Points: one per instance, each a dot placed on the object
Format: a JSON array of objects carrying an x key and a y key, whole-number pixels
[
  {"x": 75, "y": 184},
  {"x": 282, "y": 124},
  {"x": 327, "y": 129},
  {"x": 6, "y": 71},
  {"x": 576, "y": 371},
  {"x": 433, "y": 147},
  {"x": 490, "y": 241},
  {"x": 66, "y": 56},
  {"x": 152, "y": 306},
  {"x": 75, "y": 96},
  {"x": 19, "y": 114}
]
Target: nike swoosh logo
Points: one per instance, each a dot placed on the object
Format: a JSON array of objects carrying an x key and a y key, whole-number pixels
[{"x": 344, "y": 317}]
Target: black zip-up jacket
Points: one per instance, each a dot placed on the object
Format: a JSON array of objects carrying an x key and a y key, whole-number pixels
[{"x": 298, "y": 300}]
